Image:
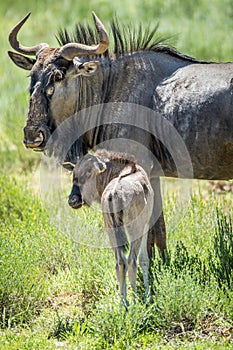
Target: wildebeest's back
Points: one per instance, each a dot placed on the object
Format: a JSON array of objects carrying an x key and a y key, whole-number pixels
[{"x": 198, "y": 101}]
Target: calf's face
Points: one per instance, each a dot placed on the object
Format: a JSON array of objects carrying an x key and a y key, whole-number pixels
[{"x": 84, "y": 190}]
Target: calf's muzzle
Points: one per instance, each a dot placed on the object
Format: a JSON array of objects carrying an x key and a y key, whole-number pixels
[
  {"x": 75, "y": 202},
  {"x": 75, "y": 198}
]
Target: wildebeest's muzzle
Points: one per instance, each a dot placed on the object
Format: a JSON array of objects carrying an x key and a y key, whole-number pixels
[
  {"x": 75, "y": 198},
  {"x": 36, "y": 138}
]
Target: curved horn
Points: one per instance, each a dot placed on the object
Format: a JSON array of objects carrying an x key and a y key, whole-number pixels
[
  {"x": 17, "y": 46},
  {"x": 71, "y": 50}
]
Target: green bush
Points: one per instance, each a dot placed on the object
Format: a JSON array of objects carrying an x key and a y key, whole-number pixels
[{"x": 221, "y": 256}]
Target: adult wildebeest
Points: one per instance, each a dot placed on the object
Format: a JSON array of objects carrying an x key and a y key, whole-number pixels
[
  {"x": 126, "y": 196},
  {"x": 194, "y": 97}
]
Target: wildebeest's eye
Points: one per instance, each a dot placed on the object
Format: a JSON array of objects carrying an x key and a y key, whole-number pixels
[
  {"x": 59, "y": 74},
  {"x": 50, "y": 90}
]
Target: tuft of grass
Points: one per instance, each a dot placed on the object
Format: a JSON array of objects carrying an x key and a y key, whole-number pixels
[{"x": 64, "y": 327}]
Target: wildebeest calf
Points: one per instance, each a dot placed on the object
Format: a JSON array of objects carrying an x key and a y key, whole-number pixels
[{"x": 124, "y": 191}]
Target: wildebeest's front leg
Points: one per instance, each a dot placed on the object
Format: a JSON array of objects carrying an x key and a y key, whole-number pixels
[
  {"x": 144, "y": 262},
  {"x": 157, "y": 232}
]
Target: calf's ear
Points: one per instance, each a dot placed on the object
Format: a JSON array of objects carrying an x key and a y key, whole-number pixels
[
  {"x": 21, "y": 61},
  {"x": 100, "y": 166},
  {"x": 68, "y": 165}
]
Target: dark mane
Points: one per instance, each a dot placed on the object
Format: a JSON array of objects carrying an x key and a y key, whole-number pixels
[
  {"x": 126, "y": 40},
  {"x": 122, "y": 158}
]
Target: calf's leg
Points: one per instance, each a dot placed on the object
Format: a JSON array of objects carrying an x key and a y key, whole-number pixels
[
  {"x": 132, "y": 263},
  {"x": 121, "y": 269},
  {"x": 118, "y": 240}
]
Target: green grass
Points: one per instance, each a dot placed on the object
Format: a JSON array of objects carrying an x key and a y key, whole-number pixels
[
  {"x": 57, "y": 288},
  {"x": 56, "y": 291}
]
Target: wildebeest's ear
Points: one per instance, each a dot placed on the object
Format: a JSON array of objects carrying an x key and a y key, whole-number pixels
[
  {"x": 21, "y": 61},
  {"x": 100, "y": 166},
  {"x": 69, "y": 166},
  {"x": 86, "y": 69}
]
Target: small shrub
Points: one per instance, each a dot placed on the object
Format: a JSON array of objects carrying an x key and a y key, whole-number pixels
[
  {"x": 221, "y": 258},
  {"x": 177, "y": 263}
]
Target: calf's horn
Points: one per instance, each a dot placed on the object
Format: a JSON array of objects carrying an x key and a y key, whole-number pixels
[
  {"x": 20, "y": 48},
  {"x": 71, "y": 50}
]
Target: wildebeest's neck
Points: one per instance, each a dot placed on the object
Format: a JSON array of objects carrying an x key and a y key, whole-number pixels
[{"x": 131, "y": 78}]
